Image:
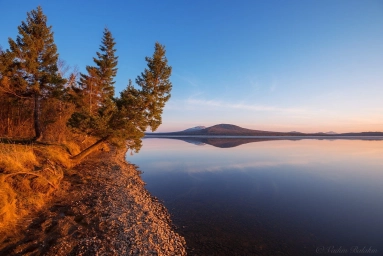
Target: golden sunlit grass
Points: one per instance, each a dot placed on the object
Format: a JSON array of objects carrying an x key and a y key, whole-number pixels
[
  {"x": 28, "y": 175},
  {"x": 53, "y": 155},
  {"x": 15, "y": 158}
]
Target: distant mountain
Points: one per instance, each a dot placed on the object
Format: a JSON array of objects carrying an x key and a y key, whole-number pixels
[
  {"x": 327, "y": 133},
  {"x": 224, "y": 130},
  {"x": 234, "y": 130},
  {"x": 295, "y": 132},
  {"x": 197, "y": 128}
]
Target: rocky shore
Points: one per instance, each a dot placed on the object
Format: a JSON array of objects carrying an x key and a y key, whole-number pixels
[{"x": 102, "y": 208}]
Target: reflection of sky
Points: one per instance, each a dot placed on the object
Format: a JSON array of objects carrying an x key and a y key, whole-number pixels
[
  {"x": 329, "y": 189},
  {"x": 342, "y": 159}
]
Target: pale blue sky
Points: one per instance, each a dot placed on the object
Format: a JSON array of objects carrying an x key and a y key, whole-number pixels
[{"x": 270, "y": 65}]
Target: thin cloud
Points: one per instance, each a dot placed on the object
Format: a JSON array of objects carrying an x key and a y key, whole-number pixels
[{"x": 241, "y": 106}]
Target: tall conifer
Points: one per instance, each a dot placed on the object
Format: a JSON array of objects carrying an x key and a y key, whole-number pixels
[
  {"x": 96, "y": 92},
  {"x": 123, "y": 118},
  {"x": 156, "y": 86},
  {"x": 35, "y": 72},
  {"x": 97, "y": 85}
]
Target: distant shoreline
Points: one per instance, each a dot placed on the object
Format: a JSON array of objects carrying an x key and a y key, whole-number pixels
[
  {"x": 239, "y": 132},
  {"x": 281, "y": 137}
]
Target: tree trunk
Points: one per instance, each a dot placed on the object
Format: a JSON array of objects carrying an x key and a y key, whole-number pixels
[
  {"x": 36, "y": 118},
  {"x": 7, "y": 130},
  {"x": 89, "y": 150}
]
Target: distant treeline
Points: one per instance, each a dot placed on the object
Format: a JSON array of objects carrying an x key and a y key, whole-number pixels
[{"x": 42, "y": 99}]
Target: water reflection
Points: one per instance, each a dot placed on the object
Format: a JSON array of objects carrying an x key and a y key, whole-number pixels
[
  {"x": 235, "y": 141},
  {"x": 220, "y": 142},
  {"x": 269, "y": 197}
]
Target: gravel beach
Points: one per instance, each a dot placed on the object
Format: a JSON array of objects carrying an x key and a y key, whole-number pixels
[{"x": 102, "y": 208}]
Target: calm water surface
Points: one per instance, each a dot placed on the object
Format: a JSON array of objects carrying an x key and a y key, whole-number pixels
[{"x": 283, "y": 197}]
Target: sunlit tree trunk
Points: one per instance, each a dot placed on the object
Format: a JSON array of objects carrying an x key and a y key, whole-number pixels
[
  {"x": 36, "y": 118},
  {"x": 89, "y": 150}
]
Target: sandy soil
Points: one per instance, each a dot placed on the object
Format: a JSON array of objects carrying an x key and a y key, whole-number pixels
[{"x": 102, "y": 208}]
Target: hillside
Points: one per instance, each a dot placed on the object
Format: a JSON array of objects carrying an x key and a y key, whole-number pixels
[
  {"x": 229, "y": 129},
  {"x": 224, "y": 129},
  {"x": 193, "y": 129},
  {"x": 234, "y": 130}
]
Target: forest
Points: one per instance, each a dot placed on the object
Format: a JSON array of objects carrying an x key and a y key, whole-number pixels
[{"x": 41, "y": 101}]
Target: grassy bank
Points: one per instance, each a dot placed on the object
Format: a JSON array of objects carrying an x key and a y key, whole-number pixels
[
  {"x": 28, "y": 176},
  {"x": 101, "y": 208}
]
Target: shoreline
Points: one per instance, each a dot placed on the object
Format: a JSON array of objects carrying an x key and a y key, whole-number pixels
[
  {"x": 101, "y": 207},
  {"x": 323, "y": 137}
]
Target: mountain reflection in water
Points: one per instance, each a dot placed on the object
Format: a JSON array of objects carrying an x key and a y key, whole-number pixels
[
  {"x": 235, "y": 141},
  {"x": 220, "y": 142},
  {"x": 261, "y": 196}
]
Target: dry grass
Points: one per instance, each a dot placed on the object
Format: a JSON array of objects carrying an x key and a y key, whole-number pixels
[
  {"x": 28, "y": 175},
  {"x": 15, "y": 158},
  {"x": 54, "y": 155}
]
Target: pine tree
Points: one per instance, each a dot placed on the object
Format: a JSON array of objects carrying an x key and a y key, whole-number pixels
[
  {"x": 125, "y": 118},
  {"x": 97, "y": 85},
  {"x": 15, "y": 105},
  {"x": 6, "y": 101},
  {"x": 95, "y": 94},
  {"x": 106, "y": 66},
  {"x": 130, "y": 119},
  {"x": 34, "y": 68},
  {"x": 6, "y": 60},
  {"x": 155, "y": 85}
]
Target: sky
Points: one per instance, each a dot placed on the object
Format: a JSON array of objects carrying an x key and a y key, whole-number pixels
[{"x": 276, "y": 65}]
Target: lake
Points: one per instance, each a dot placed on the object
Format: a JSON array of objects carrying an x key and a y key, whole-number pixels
[{"x": 269, "y": 197}]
